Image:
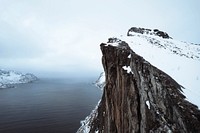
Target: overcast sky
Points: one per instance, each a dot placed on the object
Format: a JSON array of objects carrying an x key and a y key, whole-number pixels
[{"x": 64, "y": 35}]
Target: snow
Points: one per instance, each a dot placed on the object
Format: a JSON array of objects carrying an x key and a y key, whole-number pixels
[
  {"x": 128, "y": 69},
  {"x": 169, "y": 131},
  {"x": 9, "y": 78},
  {"x": 113, "y": 44},
  {"x": 100, "y": 83},
  {"x": 148, "y": 104},
  {"x": 129, "y": 56},
  {"x": 86, "y": 124},
  {"x": 180, "y": 60}
]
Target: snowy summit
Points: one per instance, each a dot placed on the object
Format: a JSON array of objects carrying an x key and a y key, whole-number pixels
[
  {"x": 180, "y": 60},
  {"x": 147, "y": 72}
]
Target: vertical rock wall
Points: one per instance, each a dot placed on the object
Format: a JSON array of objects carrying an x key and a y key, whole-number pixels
[{"x": 138, "y": 97}]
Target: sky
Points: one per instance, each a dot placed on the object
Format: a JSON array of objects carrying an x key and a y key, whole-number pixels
[{"x": 62, "y": 37}]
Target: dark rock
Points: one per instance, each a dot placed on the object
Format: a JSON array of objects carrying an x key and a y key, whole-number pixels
[
  {"x": 145, "y": 100},
  {"x": 113, "y": 40},
  {"x": 148, "y": 31}
]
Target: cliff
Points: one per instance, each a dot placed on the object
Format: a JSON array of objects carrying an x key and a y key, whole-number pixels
[{"x": 138, "y": 97}]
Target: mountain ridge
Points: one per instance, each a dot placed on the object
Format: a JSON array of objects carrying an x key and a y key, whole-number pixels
[
  {"x": 139, "y": 97},
  {"x": 9, "y": 78}
]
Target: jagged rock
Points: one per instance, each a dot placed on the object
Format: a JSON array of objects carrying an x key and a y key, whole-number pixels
[
  {"x": 139, "y": 97},
  {"x": 148, "y": 31},
  {"x": 113, "y": 40}
]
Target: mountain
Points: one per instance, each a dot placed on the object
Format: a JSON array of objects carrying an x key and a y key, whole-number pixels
[
  {"x": 9, "y": 78},
  {"x": 151, "y": 85}
]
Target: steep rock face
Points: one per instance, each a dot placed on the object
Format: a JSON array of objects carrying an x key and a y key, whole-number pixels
[{"x": 138, "y": 97}]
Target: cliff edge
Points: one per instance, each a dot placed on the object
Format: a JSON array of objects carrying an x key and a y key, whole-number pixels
[{"x": 138, "y": 97}]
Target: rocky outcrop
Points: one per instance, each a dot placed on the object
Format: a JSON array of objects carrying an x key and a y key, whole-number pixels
[
  {"x": 148, "y": 31},
  {"x": 139, "y": 97}
]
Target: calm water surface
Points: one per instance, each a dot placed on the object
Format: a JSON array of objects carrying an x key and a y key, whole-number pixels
[{"x": 47, "y": 106}]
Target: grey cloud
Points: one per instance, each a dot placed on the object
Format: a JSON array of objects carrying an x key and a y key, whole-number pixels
[{"x": 58, "y": 34}]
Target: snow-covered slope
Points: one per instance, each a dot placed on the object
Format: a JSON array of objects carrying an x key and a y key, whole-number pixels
[
  {"x": 181, "y": 60},
  {"x": 9, "y": 78}
]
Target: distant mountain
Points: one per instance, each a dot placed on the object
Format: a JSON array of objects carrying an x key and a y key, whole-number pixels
[
  {"x": 9, "y": 78},
  {"x": 151, "y": 85}
]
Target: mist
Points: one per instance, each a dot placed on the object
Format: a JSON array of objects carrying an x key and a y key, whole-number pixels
[{"x": 62, "y": 38}]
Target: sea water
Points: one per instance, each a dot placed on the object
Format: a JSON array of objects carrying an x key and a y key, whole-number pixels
[{"x": 47, "y": 105}]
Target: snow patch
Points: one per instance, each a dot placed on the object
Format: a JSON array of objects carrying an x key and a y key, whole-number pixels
[
  {"x": 128, "y": 69},
  {"x": 129, "y": 56},
  {"x": 86, "y": 124},
  {"x": 113, "y": 44},
  {"x": 148, "y": 104}
]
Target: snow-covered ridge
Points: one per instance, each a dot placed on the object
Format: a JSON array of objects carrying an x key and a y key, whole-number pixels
[
  {"x": 9, "y": 78},
  {"x": 188, "y": 50},
  {"x": 180, "y": 60}
]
